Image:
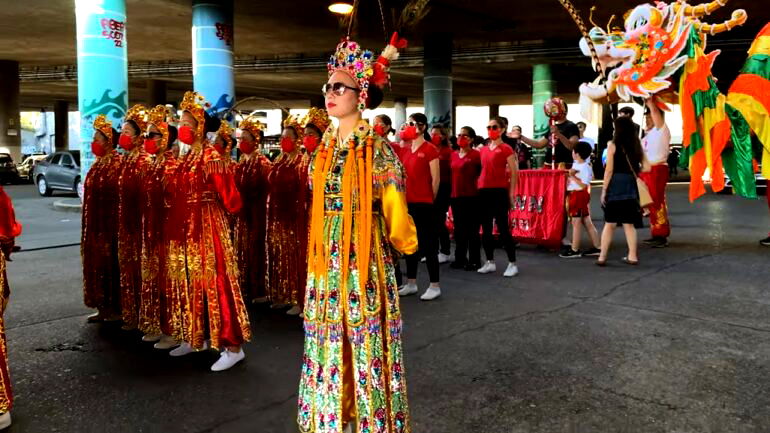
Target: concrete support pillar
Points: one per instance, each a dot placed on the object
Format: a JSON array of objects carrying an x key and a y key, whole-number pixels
[
  {"x": 399, "y": 118},
  {"x": 102, "y": 68},
  {"x": 543, "y": 88},
  {"x": 10, "y": 121},
  {"x": 453, "y": 127},
  {"x": 437, "y": 81},
  {"x": 156, "y": 92},
  {"x": 212, "y": 57},
  {"x": 61, "y": 111},
  {"x": 494, "y": 110}
]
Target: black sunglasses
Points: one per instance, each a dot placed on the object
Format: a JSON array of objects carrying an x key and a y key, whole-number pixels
[
  {"x": 493, "y": 127},
  {"x": 412, "y": 123},
  {"x": 338, "y": 88},
  {"x": 153, "y": 135}
]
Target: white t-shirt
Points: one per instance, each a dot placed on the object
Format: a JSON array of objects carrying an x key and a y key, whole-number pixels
[
  {"x": 584, "y": 172},
  {"x": 657, "y": 145}
]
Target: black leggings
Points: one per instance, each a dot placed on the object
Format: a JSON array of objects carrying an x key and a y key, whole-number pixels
[
  {"x": 465, "y": 212},
  {"x": 442, "y": 207},
  {"x": 424, "y": 216},
  {"x": 495, "y": 204}
]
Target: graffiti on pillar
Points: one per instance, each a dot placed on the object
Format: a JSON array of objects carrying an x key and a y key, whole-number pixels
[
  {"x": 109, "y": 106},
  {"x": 113, "y": 30},
  {"x": 445, "y": 120},
  {"x": 223, "y": 104},
  {"x": 225, "y": 33}
]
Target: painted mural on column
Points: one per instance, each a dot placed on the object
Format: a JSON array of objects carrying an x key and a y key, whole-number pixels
[
  {"x": 102, "y": 67},
  {"x": 212, "y": 35}
]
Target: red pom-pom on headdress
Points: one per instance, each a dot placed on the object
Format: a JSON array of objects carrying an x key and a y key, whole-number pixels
[{"x": 381, "y": 77}]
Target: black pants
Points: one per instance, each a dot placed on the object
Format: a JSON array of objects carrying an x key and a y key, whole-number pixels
[
  {"x": 465, "y": 211},
  {"x": 495, "y": 204},
  {"x": 424, "y": 216},
  {"x": 442, "y": 207}
]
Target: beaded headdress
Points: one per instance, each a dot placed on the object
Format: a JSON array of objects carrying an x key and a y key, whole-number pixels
[
  {"x": 294, "y": 123},
  {"x": 253, "y": 125},
  {"x": 317, "y": 117},
  {"x": 196, "y": 105},
  {"x": 157, "y": 116},
  {"x": 226, "y": 131},
  {"x": 104, "y": 126},
  {"x": 362, "y": 67},
  {"x": 137, "y": 114}
]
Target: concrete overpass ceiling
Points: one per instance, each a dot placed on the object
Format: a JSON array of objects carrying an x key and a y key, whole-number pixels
[{"x": 496, "y": 44}]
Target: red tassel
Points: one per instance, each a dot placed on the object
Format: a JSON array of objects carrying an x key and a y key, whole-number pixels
[{"x": 397, "y": 42}]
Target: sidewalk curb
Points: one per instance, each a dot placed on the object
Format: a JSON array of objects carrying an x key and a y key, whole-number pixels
[{"x": 68, "y": 205}]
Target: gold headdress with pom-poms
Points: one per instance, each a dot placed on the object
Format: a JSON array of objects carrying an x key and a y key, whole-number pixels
[
  {"x": 104, "y": 126},
  {"x": 137, "y": 114},
  {"x": 226, "y": 131},
  {"x": 254, "y": 126},
  {"x": 317, "y": 117},
  {"x": 196, "y": 105},
  {"x": 294, "y": 123},
  {"x": 157, "y": 116}
]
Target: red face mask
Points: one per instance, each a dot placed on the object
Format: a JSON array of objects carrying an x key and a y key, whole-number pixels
[
  {"x": 151, "y": 146},
  {"x": 220, "y": 147},
  {"x": 186, "y": 135},
  {"x": 310, "y": 142},
  {"x": 494, "y": 134},
  {"x": 126, "y": 142},
  {"x": 436, "y": 139},
  {"x": 98, "y": 149},
  {"x": 380, "y": 129},
  {"x": 409, "y": 133},
  {"x": 463, "y": 142},
  {"x": 287, "y": 145},
  {"x": 246, "y": 146}
]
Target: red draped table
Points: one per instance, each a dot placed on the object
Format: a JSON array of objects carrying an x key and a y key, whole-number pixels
[{"x": 538, "y": 209}]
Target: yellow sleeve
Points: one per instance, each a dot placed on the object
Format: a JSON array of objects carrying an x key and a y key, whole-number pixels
[{"x": 401, "y": 230}]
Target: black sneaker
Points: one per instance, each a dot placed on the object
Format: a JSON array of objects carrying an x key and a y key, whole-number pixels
[
  {"x": 765, "y": 242},
  {"x": 659, "y": 243},
  {"x": 565, "y": 249},
  {"x": 457, "y": 265},
  {"x": 592, "y": 252},
  {"x": 570, "y": 254},
  {"x": 650, "y": 241},
  {"x": 473, "y": 267}
]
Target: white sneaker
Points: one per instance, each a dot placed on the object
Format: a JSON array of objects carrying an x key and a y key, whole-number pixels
[
  {"x": 166, "y": 342},
  {"x": 227, "y": 359},
  {"x": 488, "y": 268},
  {"x": 443, "y": 258},
  {"x": 431, "y": 294},
  {"x": 511, "y": 270},
  {"x": 186, "y": 349},
  {"x": 152, "y": 338},
  {"x": 5, "y": 420},
  {"x": 294, "y": 311},
  {"x": 407, "y": 289},
  {"x": 423, "y": 259}
]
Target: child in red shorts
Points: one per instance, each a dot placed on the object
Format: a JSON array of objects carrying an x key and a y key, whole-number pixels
[{"x": 579, "y": 199}]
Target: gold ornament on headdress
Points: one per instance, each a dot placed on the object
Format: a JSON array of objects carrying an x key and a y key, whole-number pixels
[
  {"x": 195, "y": 104},
  {"x": 104, "y": 126},
  {"x": 294, "y": 122},
  {"x": 137, "y": 114},
  {"x": 157, "y": 116},
  {"x": 226, "y": 132},
  {"x": 254, "y": 126},
  {"x": 317, "y": 117}
]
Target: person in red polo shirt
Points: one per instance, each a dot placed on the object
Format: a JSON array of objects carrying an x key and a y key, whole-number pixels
[
  {"x": 440, "y": 138},
  {"x": 496, "y": 190},
  {"x": 466, "y": 168},
  {"x": 420, "y": 159}
]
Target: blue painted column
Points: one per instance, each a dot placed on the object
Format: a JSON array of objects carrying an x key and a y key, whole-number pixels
[
  {"x": 437, "y": 81},
  {"x": 102, "y": 68},
  {"x": 212, "y": 58}
]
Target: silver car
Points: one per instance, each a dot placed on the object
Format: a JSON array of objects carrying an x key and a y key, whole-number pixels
[{"x": 58, "y": 171}]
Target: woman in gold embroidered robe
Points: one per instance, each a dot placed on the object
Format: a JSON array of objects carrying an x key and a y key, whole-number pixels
[{"x": 9, "y": 230}]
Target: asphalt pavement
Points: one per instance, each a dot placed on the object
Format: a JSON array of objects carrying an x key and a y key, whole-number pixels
[{"x": 678, "y": 344}]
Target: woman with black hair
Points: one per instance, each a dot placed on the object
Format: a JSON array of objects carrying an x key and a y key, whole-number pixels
[
  {"x": 421, "y": 164},
  {"x": 214, "y": 314},
  {"x": 99, "y": 235},
  {"x": 439, "y": 137},
  {"x": 466, "y": 168},
  {"x": 620, "y": 195},
  {"x": 133, "y": 164},
  {"x": 497, "y": 185}
]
